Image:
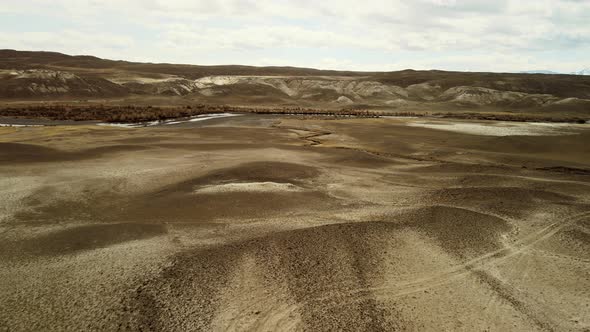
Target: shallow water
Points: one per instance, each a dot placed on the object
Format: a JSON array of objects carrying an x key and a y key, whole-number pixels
[
  {"x": 201, "y": 117},
  {"x": 18, "y": 125},
  {"x": 502, "y": 128}
]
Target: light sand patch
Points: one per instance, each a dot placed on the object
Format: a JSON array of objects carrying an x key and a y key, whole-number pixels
[
  {"x": 13, "y": 191},
  {"x": 145, "y": 80},
  {"x": 247, "y": 305},
  {"x": 249, "y": 187},
  {"x": 502, "y": 128}
]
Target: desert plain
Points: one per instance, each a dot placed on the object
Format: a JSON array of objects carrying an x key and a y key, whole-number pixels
[{"x": 279, "y": 223}]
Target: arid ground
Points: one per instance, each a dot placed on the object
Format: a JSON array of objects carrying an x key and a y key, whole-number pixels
[{"x": 277, "y": 223}]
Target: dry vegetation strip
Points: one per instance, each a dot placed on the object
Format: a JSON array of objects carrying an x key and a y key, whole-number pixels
[
  {"x": 128, "y": 114},
  {"x": 132, "y": 113}
]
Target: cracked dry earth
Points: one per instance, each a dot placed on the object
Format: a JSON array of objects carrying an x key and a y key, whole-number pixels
[{"x": 278, "y": 223}]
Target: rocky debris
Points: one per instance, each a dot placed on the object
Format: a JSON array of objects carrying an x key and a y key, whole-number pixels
[
  {"x": 309, "y": 87},
  {"x": 485, "y": 96},
  {"x": 424, "y": 91},
  {"x": 343, "y": 90},
  {"x": 570, "y": 101},
  {"x": 178, "y": 87},
  {"x": 344, "y": 100},
  {"x": 40, "y": 74},
  {"x": 41, "y": 82}
]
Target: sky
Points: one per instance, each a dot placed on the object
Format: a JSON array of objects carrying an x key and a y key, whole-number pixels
[{"x": 368, "y": 35}]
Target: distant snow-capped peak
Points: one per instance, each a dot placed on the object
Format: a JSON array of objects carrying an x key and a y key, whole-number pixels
[
  {"x": 538, "y": 72},
  {"x": 585, "y": 71}
]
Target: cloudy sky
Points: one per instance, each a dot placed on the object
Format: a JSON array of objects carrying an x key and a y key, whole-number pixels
[{"x": 476, "y": 35}]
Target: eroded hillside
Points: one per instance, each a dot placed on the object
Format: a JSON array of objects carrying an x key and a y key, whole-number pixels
[{"x": 45, "y": 75}]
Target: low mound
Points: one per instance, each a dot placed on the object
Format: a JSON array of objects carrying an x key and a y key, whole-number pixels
[
  {"x": 573, "y": 241},
  {"x": 249, "y": 190},
  {"x": 11, "y": 152},
  {"x": 81, "y": 238},
  {"x": 229, "y": 192},
  {"x": 356, "y": 158},
  {"x": 509, "y": 201},
  {"x": 309, "y": 263},
  {"x": 506, "y": 193},
  {"x": 30, "y": 153},
  {"x": 279, "y": 172},
  {"x": 548, "y": 145},
  {"x": 325, "y": 275},
  {"x": 462, "y": 232},
  {"x": 220, "y": 205}
]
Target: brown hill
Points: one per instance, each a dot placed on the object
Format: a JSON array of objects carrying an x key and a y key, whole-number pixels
[{"x": 26, "y": 75}]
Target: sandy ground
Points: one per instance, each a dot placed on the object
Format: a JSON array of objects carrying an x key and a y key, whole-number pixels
[{"x": 279, "y": 223}]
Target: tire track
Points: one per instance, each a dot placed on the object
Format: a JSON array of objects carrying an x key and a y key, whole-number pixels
[
  {"x": 277, "y": 315},
  {"x": 457, "y": 271}
]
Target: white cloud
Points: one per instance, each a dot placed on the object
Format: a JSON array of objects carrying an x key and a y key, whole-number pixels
[{"x": 354, "y": 34}]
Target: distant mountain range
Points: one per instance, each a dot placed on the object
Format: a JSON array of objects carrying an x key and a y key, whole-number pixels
[
  {"x": 549, "y": 72},
  {"x": 583, "y": 72}
]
